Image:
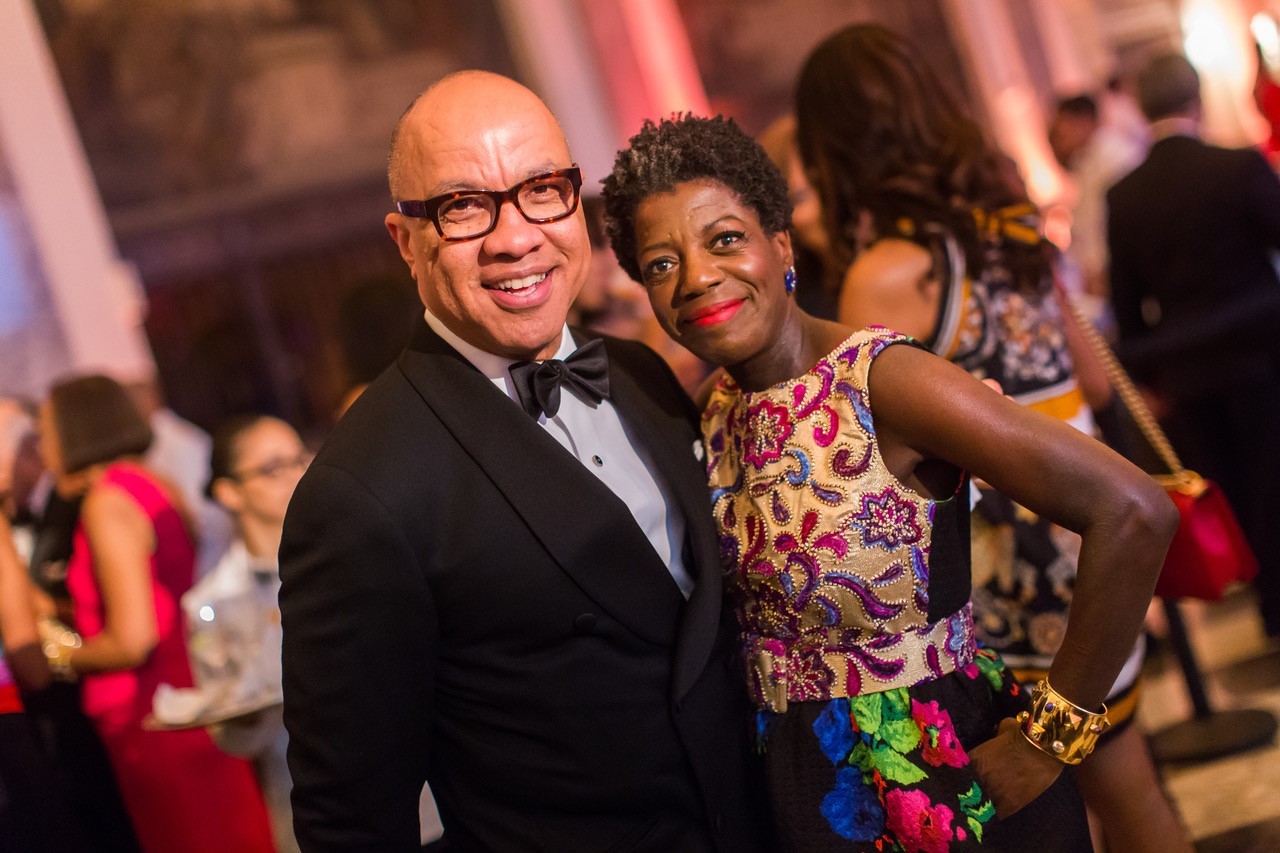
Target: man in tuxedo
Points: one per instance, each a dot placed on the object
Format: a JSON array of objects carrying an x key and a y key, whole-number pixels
[
  {"x": 1192, "y": 234},
  {"x": 500, "y": 573}
]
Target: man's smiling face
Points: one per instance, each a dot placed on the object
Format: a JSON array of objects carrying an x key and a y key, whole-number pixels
[{"x": 507, "y": 292}]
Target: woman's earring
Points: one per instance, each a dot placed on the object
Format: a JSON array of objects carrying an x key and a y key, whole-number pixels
[{"x": 790, "y": 280}]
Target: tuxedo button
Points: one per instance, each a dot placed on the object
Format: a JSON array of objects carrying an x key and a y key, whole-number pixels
[
  {"x": 585, "y": 624},
  {"x": 597, "y": 461}
]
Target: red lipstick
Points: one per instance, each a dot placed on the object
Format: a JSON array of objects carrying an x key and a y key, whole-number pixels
[{"x": 717, "y": 313}]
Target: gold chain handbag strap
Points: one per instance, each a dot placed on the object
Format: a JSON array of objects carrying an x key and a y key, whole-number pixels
[{"x": 1132, "y": 399}]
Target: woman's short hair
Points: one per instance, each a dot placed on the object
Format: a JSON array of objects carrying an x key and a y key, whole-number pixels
[
  {"x": 224, "y": 456},
  {"x": 690, "y": 148},
  {"x": 96, "y": 421}
]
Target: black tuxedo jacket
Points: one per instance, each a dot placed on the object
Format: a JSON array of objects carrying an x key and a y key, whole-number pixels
[
  {"x": 1190, "y": 232},
  {"x": 464, "y": 603}
]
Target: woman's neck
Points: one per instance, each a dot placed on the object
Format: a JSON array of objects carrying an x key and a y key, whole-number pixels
[{"x": 800, "y": 342}]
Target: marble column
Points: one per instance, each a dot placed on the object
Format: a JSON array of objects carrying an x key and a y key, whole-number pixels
[
  {"x": 985, "y": 36},
  {"x": 68, "y": 303}
]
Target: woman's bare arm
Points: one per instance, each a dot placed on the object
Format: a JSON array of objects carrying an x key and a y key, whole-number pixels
[
  {"x": 121, "y": 539},
  {"x": 927, "y": 409},
  {"x": 18, "y": 631}
]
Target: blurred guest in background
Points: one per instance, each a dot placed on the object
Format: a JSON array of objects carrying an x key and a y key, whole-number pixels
[
  {"x": 179, "y": 453},
  {"x": 132, "y": 559},
  {"x": 954, "y": 257},
  {"x": 818, "y": 274},
  {"x": 1192, "y": 234},
  {"x": 1095, "y": 157},
  {"x": 1266, "y": 97},
  {"x": 67, "y": 739},
  {"x": 232, "y": 614},
  {"x": 34, "y": 811}
]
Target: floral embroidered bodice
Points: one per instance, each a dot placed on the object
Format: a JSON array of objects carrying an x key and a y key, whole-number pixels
[{"x": 828, "y": 553}]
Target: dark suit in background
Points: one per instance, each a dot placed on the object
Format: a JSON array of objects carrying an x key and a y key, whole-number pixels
[
  {"x": 465, "y": 603},
  {"x": 1192, "y": 234}
]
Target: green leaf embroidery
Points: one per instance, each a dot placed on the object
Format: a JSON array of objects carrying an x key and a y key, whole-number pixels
[
  {"x": 977, "y": 809},
  {"x": 902, "y": 735},
  {"x": 894, "y": 767},
  {"x": 991, "y": 670},
  {"x": 867, "y": 711},
  {"x": 897, "y": 704}
]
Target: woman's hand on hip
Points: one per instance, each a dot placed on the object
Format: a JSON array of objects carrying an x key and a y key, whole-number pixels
[{"x": 1011, "y": 770}]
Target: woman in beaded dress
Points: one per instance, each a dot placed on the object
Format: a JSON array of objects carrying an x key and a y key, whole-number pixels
[
  {"x": 841, "y": 495},
  {"x": 941, "y": 243}
]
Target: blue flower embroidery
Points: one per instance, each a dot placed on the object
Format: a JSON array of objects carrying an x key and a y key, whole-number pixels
[
  {"x": 835, "y": 734},
  {"x": 852, "y": 809}
]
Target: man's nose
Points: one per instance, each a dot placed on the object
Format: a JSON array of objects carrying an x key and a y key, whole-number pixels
[{"x": 513, "y": 235}]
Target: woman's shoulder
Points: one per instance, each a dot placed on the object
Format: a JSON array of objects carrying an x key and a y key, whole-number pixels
[
  {"x": 135, "y": 482},
  {"x": 890, "y": 263}
]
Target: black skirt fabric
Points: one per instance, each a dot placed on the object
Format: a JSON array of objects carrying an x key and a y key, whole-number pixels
[{"x": 891, "y": 772}]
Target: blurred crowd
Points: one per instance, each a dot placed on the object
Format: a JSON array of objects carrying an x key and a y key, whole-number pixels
[{"x": 140, "y": 700}]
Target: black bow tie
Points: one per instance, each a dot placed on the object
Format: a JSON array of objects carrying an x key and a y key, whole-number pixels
[{"x": 538, "y": 383}]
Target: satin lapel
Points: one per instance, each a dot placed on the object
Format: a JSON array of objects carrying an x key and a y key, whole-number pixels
[
  {"x": 580, "y": 522},
  {"x": 685, "y": 477}
]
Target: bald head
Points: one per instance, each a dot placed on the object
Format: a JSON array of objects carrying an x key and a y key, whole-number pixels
[{"x": 463, "y": 100}]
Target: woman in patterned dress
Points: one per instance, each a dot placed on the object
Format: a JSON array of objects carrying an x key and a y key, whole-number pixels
[
  {"x": 841, "y": 496},
  {"x": 941, "y": 243}
]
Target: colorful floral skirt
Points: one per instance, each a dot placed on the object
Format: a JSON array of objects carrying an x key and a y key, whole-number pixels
[{"x": 890, "y": 771}]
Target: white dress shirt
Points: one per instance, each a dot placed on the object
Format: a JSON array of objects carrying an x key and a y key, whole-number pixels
[{"x": 597, "y": 437}]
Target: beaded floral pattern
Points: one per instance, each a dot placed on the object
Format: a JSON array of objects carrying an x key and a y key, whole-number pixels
[{"x": 826, "y": 551}]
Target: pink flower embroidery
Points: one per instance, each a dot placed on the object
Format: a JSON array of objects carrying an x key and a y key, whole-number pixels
[
  {"x": 918, "y": 826},
  {"x": 810, "y": 677},
  {"x": 887, "y": 520},
  {"x": 939, "y": 746},
  {"x": 768, "y": 428}
]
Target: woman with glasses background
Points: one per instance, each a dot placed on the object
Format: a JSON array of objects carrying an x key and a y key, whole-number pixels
[{"x": 232, "y": 614}]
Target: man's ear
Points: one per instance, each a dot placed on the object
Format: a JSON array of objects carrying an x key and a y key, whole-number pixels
[
  {"x": 226, "y": 493},
  {"x": 399, "y": 230}
]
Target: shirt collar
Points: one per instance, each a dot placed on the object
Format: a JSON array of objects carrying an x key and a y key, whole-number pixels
[{"x": 492, "y": 366}]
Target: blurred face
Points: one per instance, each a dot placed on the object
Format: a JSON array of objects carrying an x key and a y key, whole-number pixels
[
  {"x": 806, "y": 210},
  {"x": 1069, "y": 135},
  {"x": 509, "y": 291},
  {"x": 713, "y": 276},
  {"x": 270, "y": 460},
  {"x": 50, "y": 448}
]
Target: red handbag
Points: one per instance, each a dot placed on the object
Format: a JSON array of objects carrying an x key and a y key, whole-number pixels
[{"x": 1209, "y": 551}]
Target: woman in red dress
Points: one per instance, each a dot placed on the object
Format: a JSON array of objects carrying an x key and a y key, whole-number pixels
[{"x": 132, "y": 560}]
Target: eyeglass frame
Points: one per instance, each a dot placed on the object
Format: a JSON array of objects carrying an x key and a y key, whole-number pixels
[
  {"x": 430, "y": 208},
  {"x": 272, "y": 468}
]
